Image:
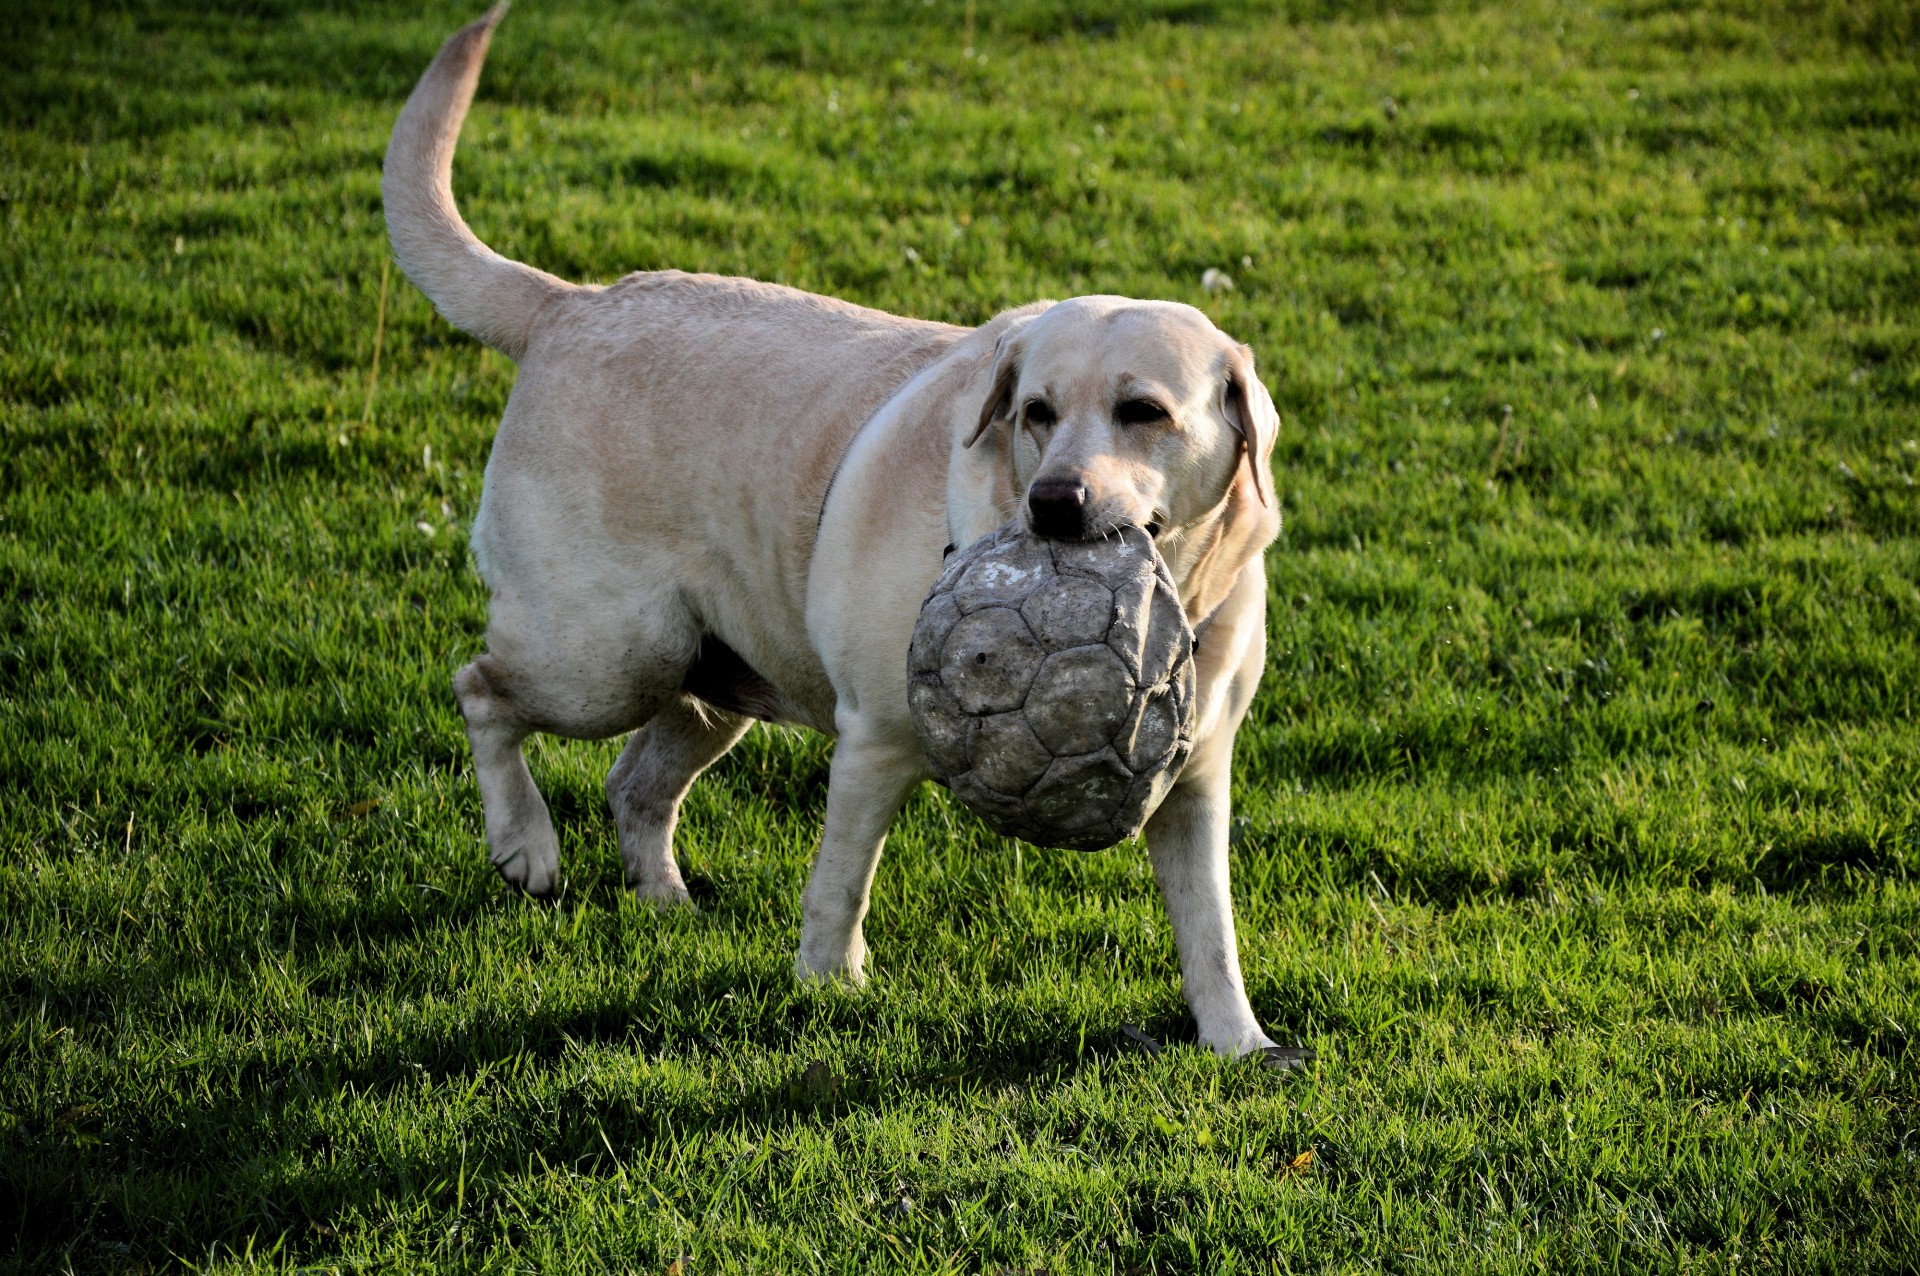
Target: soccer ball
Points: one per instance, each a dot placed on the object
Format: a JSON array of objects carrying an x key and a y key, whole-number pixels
[{"x": 1052, "y": 684}]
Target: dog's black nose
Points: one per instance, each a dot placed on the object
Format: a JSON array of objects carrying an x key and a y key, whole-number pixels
[{"x": 1058, "y": 508}]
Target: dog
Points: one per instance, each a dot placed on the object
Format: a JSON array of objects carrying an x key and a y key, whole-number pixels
[{"x": 713, "y": 500}]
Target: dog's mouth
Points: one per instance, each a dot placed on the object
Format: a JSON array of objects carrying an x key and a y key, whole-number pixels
[
  {"x": 1102, "y": 531},
  {"x": 1059, "y": 511}
]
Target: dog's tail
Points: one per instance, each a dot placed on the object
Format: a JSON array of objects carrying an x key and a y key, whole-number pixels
[{"x": 477, "y": 289}]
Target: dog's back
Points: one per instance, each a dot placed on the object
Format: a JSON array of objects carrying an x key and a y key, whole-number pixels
[
  {"x": 607, "y": 455},
  {"x": 687, "y": 427}
]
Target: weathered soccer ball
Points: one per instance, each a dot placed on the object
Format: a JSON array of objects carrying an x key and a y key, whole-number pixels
[{"x": 1052, "y": 684}]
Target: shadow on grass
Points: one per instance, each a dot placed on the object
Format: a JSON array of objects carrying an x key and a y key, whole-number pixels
[
  {"x": 1829, "y": 865},
  {"x": 170, "y": 1170},
  {"x": 250, "y": 1151},
  {"x": 199, "y": 1152},
  {"x": 1834, "y": 864}
]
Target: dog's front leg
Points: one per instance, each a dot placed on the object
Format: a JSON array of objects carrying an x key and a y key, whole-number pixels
[
  {"x": 1187, "y": 839},
  {"x": 1187, "y": 843},
  {"x": 872, "y": 775}
]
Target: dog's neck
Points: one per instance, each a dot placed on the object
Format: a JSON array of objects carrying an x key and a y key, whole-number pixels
[{"x": 1207, "y": 556}]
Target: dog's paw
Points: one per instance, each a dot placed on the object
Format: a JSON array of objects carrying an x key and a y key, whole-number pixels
[
  {"x": 530, "y": 865},
  {"x": 847, "y": 970},
  {"x": 659, "y": 894}
]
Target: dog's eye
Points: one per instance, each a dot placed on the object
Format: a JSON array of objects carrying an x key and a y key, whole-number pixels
[
  {"x": 1039, "y": 413},
  {"x": 1139, "y": 412}
]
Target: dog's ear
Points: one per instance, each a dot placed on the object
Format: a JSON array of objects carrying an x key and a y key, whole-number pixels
[
  {"x": 1249, "y": 409},
  {"x": 1006, "y": 370}
]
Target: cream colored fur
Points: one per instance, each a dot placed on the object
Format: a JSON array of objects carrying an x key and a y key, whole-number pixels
[{"x": 688, "y": 461}]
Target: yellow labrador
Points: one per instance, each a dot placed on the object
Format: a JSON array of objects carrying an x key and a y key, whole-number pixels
[{"x": 713, "y": 500}]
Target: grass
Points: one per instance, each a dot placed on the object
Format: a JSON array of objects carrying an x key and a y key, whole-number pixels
[{"x": 1577, "y": 819}]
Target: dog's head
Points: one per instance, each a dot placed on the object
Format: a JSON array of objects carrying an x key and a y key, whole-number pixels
[{"x": 1112, "y": 411}]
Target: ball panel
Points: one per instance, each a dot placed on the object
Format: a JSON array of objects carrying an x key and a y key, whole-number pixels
[
  {"x": 1150, "y": 730},
  {"x": 937, "y": 619},
  {"x": 989, "y": 661},
  {"x": 945, "y": 732},
  {"x": 1079, "y": 793},
  {"x": 1069, "y": 613},
  {"x": 1079, "y": 699},
  {"x": 1002, "y": 572},
  {"x": 1097, "y": 837},
  {"x": 1167, "y": 641},
  {"x": 1132, "y": 631},
  {"x": 1003, "y": 812},
  {"x": 1007, "y": 756},
  {"x": 1113, "y": 560},
  {"x": 1185, "y": 685},
  {"x": 1148, "y": 791}
]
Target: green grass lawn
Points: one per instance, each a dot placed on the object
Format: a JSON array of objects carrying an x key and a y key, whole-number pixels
[{"x": 1578, "y": 820}]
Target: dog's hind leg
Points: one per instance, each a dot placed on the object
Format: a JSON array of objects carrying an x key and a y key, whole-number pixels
[
  {"x": 593, "y": 677},
  {"x": 645, "y": 788},
  {"x": 520, "y": 839}
]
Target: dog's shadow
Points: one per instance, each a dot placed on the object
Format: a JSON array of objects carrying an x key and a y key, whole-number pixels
[{"x": 270, "y": 1153}]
